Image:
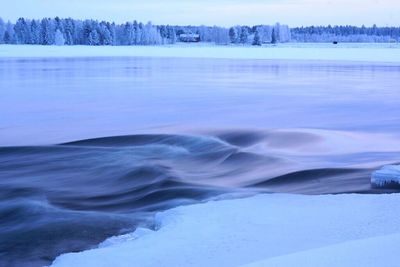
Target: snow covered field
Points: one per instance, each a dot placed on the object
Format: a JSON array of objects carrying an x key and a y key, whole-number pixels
[
  {"x": 296, "y": 51},
  {"x": 264, "y": 230}
]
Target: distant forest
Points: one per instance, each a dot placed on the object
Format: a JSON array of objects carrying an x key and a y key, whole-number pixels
[{"x": 57, "y": 31}]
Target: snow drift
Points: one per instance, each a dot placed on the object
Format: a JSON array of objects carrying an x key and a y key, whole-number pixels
[{"x": 258, "y": 230}]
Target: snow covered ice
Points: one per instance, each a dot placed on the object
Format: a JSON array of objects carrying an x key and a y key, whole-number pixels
[
  {"x": 264, "y": 230},
  {"x": 293, "y": 51},
  {"x": 388, "y": 176}
]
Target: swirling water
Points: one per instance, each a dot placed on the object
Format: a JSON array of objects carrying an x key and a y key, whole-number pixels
[{"x": 157, "y": 133}]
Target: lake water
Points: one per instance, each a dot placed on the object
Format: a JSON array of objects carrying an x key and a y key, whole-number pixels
[
  {"x": 92, "y": 147},
  {"x": 45, "y": 101}
]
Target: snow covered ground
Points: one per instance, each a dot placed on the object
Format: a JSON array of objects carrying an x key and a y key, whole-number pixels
[
  {"x": 295, "y": 51},
  {"x": 263, "y": 230}
]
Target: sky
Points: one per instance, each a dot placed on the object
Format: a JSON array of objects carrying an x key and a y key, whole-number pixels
[{"x": 213, "y": 12}]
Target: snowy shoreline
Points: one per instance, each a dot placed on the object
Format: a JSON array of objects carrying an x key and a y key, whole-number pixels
[
  {"x": 389, "y": 53},
  {"x": 235, "y": 233}
]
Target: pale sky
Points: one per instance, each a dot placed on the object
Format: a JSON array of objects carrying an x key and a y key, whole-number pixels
[{"x": 213, "y": 12}]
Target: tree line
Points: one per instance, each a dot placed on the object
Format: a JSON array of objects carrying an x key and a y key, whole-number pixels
[
  {"x": 347, "y": 33},
  {"x": 57, "y": 31},
  {"x": 83, "y": 32}
]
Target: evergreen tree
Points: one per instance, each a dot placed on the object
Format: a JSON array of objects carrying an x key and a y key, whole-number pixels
[
  {"x": 91, "y": 32},
  {"x": 59, "y": 38},
  {"x": 106, "y": 38},
  {"x": 86, "y": 32},
  {"x": 220, "y": 35},
  {"x": 35, "y": 32},
  {"x": 136, "y": 39},
  {"x": 163, "y": 33},
  {"x": 69, "y": 29},
  {"x": 273, "y": 37},
  {"x": 129, "y": 34},
  {"x": 277, "y": 29},
  {"x": 94, "y": 38},
  {"x": 140, "y": 34},
  {"x": 233, "y": 35},
  {"x": 257, "y": 38},
  {"x": 22, "y": 32},
  {"x": 9, "y": 35},
  {"x": 2, "y": 31},
  {"x": 47, "y": 32},
  {"x": 244, "y": 35},
  {"x": 171, "y": 35}
]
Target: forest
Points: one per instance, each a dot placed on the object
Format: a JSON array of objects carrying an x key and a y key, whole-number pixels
[{"x": 58, "y": 31}]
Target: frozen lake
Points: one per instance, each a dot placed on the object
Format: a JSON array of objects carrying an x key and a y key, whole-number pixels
[{"x": 164, "y": 132}]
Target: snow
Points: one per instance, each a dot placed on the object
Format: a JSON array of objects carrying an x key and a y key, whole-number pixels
[
  {"x": 342, "y": 52},
  {"x": 263, "y": 230},
  {"x": 377, "y": 251},
  {"x": 388, "y": 175}
]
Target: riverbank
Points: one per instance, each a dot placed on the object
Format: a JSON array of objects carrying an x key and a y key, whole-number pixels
[{"x": 293, "y": 51}]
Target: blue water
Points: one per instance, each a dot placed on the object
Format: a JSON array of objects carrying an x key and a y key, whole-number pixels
[{"x": 92, "y": 147}]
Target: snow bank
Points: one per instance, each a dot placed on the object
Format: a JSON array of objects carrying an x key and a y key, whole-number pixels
[
  {"x": 274, "y": 228},
  {"x": 388, "y": 176},
  {"x": 343, "y": 52},
  {"x": 369, "y": 252}
]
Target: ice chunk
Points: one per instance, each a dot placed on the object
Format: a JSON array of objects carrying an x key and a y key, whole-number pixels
[
  {"x": 388, "y": 176},
  {"x": 115, "y": 240}
]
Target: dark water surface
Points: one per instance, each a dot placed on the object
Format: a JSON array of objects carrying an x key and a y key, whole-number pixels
[{"x": 158, "y": 133}]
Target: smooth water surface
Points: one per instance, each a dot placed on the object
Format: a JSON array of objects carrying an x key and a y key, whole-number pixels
[{"x": 50, "y": 101}]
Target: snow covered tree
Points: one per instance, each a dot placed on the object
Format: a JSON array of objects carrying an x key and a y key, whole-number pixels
[
  {"x": 273, "y": 37},
  {"x": 233, "y": 35},
  {"x": 205, "y": 33},
  {"x": 69, "y": 30},
  {"x": 35, "y": 32},
  {"x": 257, "y": 38},
  {"x": 105, "y": 34},
  {"x": 266, "y": 33},
  {"x": 91, "y": 32},
  {"x": 2, "y": 30},
  {"x": 129, "y": 34},
  {"x": 163, "y": 34},
  {"x": 9, "y": 35},
  {"x": 140, "y": 34},
  {"x": 277, "y": 28},
  {"x": 171, "y": 35},
  {"x": 93, "y": 38},
  {"x": 244, "y": 35},
  {"x": 113, "y": 33},
  {"x": 284, "y": 34},
  {"x": 137, "y": 33},
  {"x": 59, "y": 38},
  {"x": 47, "y": 32},
  {"x": 87, "y": 29},
  {"x": 221, "y": 35},
  {"x": 22, "y": 32}
]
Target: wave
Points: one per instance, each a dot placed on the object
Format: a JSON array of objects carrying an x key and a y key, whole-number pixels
[
  {"x": 324, "y": 181},
  {"x": 70, "y": 197}
]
